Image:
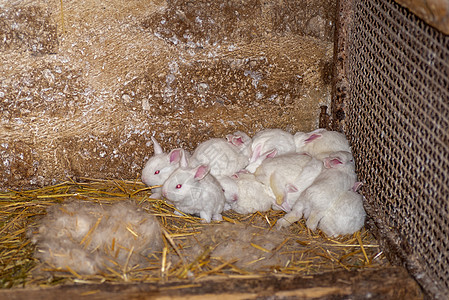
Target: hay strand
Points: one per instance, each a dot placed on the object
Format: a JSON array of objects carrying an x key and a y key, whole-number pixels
[{"x": 187, "y": 252}]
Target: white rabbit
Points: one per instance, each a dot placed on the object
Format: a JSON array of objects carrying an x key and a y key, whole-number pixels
[
  {"x": 280, "y": 171},
  {"x": 230, "y": 190},
  {"x": 258, "y": 158},
  {"x": 337, "y": 176},
  {"x": 193, "y": 190},
  {"x": 242, "y": 141},
  {"x": 295, "y": 187},
  {"x": 223, "y": 158},
  {"x": 346, "y": 215},
  {"x": 266, "y": 141},
  {"x": 321, "y": 142},
  {"x": 160, "y": 166},
  {"x": 245, "y": 194}
]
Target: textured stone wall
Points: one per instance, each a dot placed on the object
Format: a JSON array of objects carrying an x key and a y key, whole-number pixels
[{"x": 84, "y": 84}]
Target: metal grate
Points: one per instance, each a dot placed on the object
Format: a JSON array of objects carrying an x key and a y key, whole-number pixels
[{"x": 397, "y": 118}]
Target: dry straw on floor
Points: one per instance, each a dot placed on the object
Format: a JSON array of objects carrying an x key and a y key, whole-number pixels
[{"x": 240, "y": 246}]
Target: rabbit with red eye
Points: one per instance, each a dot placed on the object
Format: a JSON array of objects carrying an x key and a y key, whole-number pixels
[
  {"x": 321, "y": 142},
  {"x": 193, "y": 190},
  {"x": 269, "y": 140},
  {"x": 245, "y": 194},
  {"x": 223, "y": 158},
  {"x": 159, "y": 167},
  {"x": 337, "y": 176},
  {"x": 346, "y": 215}
]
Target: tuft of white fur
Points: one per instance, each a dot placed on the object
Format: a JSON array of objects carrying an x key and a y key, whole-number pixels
[{"x": 88, "y": 238}]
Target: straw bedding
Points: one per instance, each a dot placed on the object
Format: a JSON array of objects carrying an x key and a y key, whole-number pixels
[{"x": 239, "y": 246}]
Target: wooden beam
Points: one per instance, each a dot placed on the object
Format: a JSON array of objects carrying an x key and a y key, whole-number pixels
[{"x": 384, "y": 283}]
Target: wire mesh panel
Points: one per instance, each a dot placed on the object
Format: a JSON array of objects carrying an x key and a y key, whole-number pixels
[{"x": 397, "y": 118}]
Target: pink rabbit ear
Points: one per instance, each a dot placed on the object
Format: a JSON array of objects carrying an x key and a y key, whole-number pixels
[
  {"x": 175, "y": 156},
  {"x": 256, "y": 153},
  {"x": 271, "y": 153},
  {"x": 201, "y": 172},
  {"x": 237, "y": 140},
  {"x": 356, "y": 186},
  {"x": 290, "y": 188},
  {"x": 331, "y": 162},
  {"x": 312, "y": 138},
  {"x": 156, "y": 146}
]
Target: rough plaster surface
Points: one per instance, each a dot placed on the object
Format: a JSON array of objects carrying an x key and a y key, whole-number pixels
[{"x": 84, "y": 84}]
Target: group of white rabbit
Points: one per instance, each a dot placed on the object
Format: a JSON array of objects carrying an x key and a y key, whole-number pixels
[{"x": 305, "y": 174}]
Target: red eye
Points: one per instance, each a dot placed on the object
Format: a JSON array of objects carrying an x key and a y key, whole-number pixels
[
  {"x": 157, "y": 172},
  {"x": 178, "y": 186}
]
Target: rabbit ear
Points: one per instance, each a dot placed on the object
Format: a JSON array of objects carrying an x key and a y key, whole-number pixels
[
  {"x": 331, "y": 162},
  {"x": 271, "y": 153},
  {"x": 237, "y": 140},
  {"x": 312, "y": 138},
  {"x": 183, "y": 160},
  {"x": 201, "y": 172},
  {"x": 175, "y": 155},
  {"x": 356, "y": 186},
  {"x": 156, "y": 146},
  {"x": 256, "y": 153},
  {"x": 290, "y": 188}
]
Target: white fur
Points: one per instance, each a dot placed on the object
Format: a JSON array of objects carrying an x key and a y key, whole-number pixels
[
  {"x": 223, "y": 158},
  {"x": 159, "y": 167},
  {"x": 334, "y": 179},
  {"x": 246, "y": 195},
  {"x": 230, "y": 189},
  {"x": 89, "y": 238},
  {"x": 323, "y": 145},
  {"x": 195, "y": 195},
  {"x": 280, "y": 171},
  {"x": 346, "y": 215},
  {"x": 242, "y": 141},
  {"x": 294, "y": 188},
  {"x": 268, "y": 140}
]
